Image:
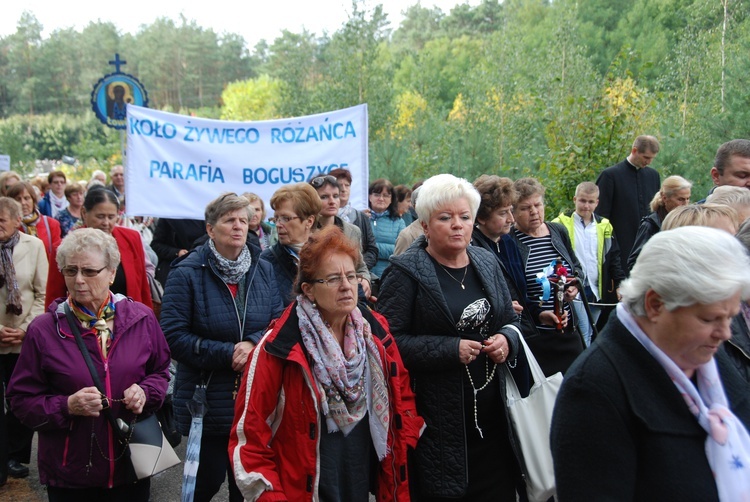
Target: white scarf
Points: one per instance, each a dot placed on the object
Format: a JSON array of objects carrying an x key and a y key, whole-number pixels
[
  {"x": 728, "y": 442},
  {"x": 57, "y": 204}
]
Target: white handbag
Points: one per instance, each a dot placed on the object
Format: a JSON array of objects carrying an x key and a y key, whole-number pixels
[{"x": 531, "y": 418}]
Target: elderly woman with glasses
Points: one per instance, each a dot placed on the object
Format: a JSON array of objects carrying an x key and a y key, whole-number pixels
[
  {"x": 51, "y": 389},
  {"x": 654, "y": 410},
  {"x": 386, "y": 222},
  {"x": 218, "y": 302},
  {"x": 326, "y": 411},
  {"x": 451, "y": 313}
]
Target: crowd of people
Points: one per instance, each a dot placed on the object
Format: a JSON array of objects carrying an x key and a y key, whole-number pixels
[{"x": 339, "y": 352}]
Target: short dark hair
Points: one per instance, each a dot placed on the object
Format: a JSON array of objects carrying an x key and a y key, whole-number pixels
[
  {"x": 646, "y": 144},
  {"x": 402, "y": 192},
  {"x": 56, "y": 174},
  {"x": 738, "y": 147},
  {"x": 340, "y": 172}
]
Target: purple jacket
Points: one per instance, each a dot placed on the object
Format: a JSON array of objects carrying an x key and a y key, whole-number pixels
[{"x": 51, "y": 368}]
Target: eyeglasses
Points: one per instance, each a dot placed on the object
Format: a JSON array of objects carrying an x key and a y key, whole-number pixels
[
  {"x": 337, "y": 281},
  {"x": 286, "y": 219},
  {"x": 86, "y": 272},
  {"x": 381, "y": 195},
  {"x": 319, "y": 181}
]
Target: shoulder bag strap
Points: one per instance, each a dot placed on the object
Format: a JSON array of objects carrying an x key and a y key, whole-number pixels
[
  {"x": 107, "y": 412},
  {"x": 49, "y": 237}
]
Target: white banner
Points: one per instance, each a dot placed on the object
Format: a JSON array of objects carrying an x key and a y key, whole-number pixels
[{"x": 177, "y": 164}]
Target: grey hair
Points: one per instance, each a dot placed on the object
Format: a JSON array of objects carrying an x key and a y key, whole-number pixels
[
  {"x": 730, "y": 196},
  {"x": 89, "y": 240},
  {"x": 743, "y": 234},
  {"x": 443, "y": 189},
  {"x": 687, "y": 266},
  {"x": 226, "y": 203},
  {"x": 12, "y": 206}
]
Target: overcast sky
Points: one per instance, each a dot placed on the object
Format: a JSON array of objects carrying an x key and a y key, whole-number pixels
[{"x": 253, "y": 20}]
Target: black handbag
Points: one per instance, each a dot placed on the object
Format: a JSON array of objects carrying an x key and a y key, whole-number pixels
[{"x": 148, "y": 450}]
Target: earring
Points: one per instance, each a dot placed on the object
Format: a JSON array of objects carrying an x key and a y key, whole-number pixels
[{"x": 315, "y": 305}]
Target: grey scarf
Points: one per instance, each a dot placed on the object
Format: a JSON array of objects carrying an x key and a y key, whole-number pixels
[{"x": 230, "y": 271}]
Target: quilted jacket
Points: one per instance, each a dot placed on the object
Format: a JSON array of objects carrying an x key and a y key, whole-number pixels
[
  {"x": 412, "y": 302},
  {"x": 202, "y": 326}
]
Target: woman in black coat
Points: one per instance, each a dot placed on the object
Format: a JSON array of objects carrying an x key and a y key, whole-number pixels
[
  {"x": 451, "y": 314},
  {"x": 654, "y": 410}
]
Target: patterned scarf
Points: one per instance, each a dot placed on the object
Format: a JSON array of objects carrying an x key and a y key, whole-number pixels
[
  {"x": 230, "y": 271},
  {"x": 8, "y": 275},
  {"x": 352, "y": 380},
  {"x": 29, "y": 223},
  {"x": 98, "y": 320},
  {"x": 728, "y": 442},
  {"x": 89, "y": 319}
]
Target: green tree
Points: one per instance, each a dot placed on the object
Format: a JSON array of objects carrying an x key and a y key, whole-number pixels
[
  {"x": 254, "y": 99},
  {"x": 357, "y": 67},
  {"x": 293, "y": 59},
  {"x": 26, "y": 76}
]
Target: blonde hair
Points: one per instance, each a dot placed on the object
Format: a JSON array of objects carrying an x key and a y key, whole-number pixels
[
  {"x": 701, "y": 215},
  {"x": 670, "y": 185}
]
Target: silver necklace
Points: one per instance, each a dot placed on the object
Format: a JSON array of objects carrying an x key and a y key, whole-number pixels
[{"x": 461, "y": 282}]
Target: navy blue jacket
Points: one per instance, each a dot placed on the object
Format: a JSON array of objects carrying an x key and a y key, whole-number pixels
[
  {"x": 202, "y": 326},
  {"x": 284, "y": 267}
]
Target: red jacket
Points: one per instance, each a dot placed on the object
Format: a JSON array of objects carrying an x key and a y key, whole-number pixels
[
  {"x": 274, "y": 439},
  {"x": 132, "y": 257}
]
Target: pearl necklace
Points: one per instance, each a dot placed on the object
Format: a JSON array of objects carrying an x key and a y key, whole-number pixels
[{"x": 489, "y": 376}]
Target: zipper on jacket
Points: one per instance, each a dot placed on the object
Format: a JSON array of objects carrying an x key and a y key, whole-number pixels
[
  {"x": 240, "y": 321},
  {"x": 108, "y": 391}
]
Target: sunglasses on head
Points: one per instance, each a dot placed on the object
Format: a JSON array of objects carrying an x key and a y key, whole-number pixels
[{"x": 319, "y": 181}]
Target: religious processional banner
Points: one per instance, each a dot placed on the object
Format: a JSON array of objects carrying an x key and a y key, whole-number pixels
[{"x": 176, "y": 164}]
